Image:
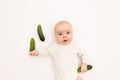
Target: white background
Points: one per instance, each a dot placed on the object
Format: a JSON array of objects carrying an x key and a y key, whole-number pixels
[{"x": 96, "y": 25}]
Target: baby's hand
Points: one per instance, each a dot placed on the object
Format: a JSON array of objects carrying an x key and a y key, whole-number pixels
[
  {"x": 79, "y": 78},
  {"x": 34, "y": 53},
  {"x": 83, "y": 67}
]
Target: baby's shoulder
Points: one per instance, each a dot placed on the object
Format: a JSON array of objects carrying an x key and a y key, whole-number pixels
[
  {"x": 79, "y": 48},
  {"x": 52, "y": 45}
]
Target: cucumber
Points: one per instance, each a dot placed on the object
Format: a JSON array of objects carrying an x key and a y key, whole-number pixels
[
  {"x": 32, "y": 44},
  {"x": 89, "y": 67},
  {"x": 40, "y": 33}
]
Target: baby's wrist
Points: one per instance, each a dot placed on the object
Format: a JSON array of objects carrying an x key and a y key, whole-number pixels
[{"x": 84, "y": 64}]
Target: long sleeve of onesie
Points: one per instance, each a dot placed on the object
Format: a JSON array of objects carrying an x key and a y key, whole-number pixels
[{"x": 82, "y": 55}]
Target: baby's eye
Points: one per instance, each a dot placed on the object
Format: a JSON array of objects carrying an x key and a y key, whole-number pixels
[
  {"x": 68, "y": 32},
  {"x": 60, "y": 34}
]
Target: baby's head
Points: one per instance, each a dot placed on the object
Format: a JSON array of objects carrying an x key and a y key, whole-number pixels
[{"x": 63, "y": 32}]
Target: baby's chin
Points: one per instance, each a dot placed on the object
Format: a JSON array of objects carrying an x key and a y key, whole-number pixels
[{"x": 64, "y": 43}]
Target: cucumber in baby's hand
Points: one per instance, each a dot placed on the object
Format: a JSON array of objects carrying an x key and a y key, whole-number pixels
[
  {"x": 32, "y": 44},
  {"x": 89, "y": 67}
]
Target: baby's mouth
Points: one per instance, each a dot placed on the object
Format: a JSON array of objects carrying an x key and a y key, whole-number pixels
[{"x": 65, "y": 40}]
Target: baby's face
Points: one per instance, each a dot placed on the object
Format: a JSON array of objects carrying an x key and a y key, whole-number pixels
[{"x": 63, "y": 34}]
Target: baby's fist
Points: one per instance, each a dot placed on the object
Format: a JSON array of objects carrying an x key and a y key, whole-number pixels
[
  {"x": 83, "y": 67},
  {"x": 34, "y": 53}
]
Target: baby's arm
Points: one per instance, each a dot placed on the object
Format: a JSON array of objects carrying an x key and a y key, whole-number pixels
[
  {"x": 84, "y": 61},
  {"x": 41, "y": 51}
]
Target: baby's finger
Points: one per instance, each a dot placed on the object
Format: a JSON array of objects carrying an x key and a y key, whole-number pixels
[
  {"x": 34, "y": 54},
  {"x": 30, "y": 53},
  {"x": 84, "y": 70},
  {"x": 37, "y": 54}
]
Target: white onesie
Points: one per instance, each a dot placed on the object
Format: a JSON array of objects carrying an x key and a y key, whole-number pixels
[{"x": 66, "y": 59}]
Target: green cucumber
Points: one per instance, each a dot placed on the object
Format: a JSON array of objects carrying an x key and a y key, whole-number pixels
[
  {"x": 32, "y": 44},
  {"x": 89, "y": 67},
  {"x": 40, "y": 33}
]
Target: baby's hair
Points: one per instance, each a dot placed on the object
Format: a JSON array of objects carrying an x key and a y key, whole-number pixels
[{"x": 63, "y": 22}]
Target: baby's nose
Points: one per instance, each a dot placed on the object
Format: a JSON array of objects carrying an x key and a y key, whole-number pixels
[{"x": 64, "y": 35}]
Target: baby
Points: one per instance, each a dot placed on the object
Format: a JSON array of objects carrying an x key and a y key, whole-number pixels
[{"x": 66, "y": 56}]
